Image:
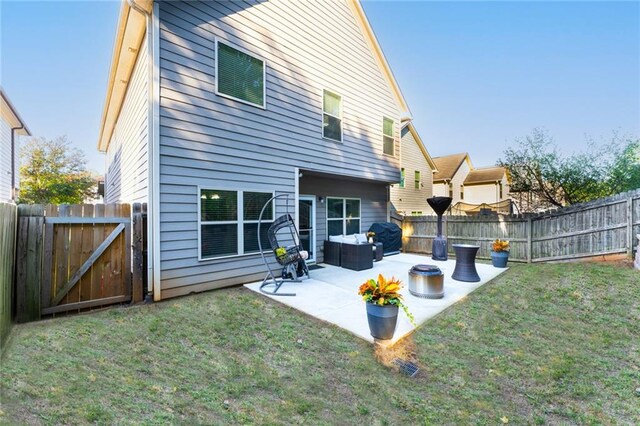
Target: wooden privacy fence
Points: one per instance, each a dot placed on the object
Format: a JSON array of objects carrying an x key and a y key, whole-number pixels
[
  {"x": 8, "y": 220},
  {"x": 601, "y": 227},
  {"x": 74, "y": 257}
]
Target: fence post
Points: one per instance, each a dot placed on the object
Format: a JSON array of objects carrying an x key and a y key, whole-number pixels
[
  {"x": 137, "y": 244},
  {"x": 529, "y": 239},
  {"x": 630, "y": 227}
]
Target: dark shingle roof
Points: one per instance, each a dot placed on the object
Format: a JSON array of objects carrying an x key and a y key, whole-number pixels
[
  {"x": 486, "y": 174},
  {"x": 448, "y": 165}
]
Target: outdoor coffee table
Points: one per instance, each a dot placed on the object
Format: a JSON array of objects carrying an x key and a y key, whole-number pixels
[{"x": 465, "y": 269}]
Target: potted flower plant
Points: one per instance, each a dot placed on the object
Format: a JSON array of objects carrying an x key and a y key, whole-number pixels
[
  {"x": 383, "y": 300},
  {"x": 500, "y": 253},
  {"x": 370, "y": 236}
]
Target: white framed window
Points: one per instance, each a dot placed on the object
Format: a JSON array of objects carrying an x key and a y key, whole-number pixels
[
  {"x": 416, "y": 213},
  {"x": 331, "y": 116},
  {"x": 240, "y": 75},
  {"x": 343, "y": 216},
  {"x": 228, "y": 222},
  {"x": 416, "y": 179},
  {"x": 402, "y": 177},
  {"x": 462, "y": 192},
  {"x": 388, "y": 140}
]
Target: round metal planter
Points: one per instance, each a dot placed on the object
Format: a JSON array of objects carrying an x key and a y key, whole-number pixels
[
  {"x": 465, "y": 269},
  {"x": 426, "y": 281},
  {"x": 382, "y": 320}
]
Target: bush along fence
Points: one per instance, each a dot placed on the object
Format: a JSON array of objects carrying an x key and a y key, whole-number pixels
[
  {"x": 70, "y": 258},
  {"x": 8, "y": 221},
  {"x": 602, "y": 227}
]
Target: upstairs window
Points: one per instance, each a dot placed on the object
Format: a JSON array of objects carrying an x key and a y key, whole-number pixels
[
  {"x": 402, "y": 177},
  {"x": 462, "y": 192},
  {"x": 331, "y": 116},
  {"x": 388, "y": 141},
  {"x": 500, "y": 185},
  {"x": 239, "y": 75},
  {"x": 416, "y": 179},
  {"x": 450, "y": 189}
]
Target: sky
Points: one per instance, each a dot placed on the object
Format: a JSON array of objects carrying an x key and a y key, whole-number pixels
[{"x": 476, "y": 75}]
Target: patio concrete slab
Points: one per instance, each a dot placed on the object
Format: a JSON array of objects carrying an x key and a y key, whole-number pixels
[{"x": 331, "y": 294}]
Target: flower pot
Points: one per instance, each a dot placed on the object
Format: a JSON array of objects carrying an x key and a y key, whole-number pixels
[
  {"x": 499, "y": 258},
  {"x": 382, "y": 320}
]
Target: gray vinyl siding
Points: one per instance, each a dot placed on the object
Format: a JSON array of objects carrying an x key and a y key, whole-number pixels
[
  {"x": 5, "y": 161},
  {"x": 127, "y": 154},
  {"x": 408, "y": 199},
  {"x": 373, "y": 203},
  {"x": 213, "y": 141}
]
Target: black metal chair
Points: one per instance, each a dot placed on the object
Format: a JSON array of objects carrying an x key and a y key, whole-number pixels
[{"x": 291, "y": 257}]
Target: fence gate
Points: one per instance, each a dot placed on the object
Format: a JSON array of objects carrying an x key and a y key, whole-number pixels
[{"x": 73, "y": 257}]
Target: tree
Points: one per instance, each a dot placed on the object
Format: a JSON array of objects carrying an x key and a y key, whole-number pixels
[
  {"x": 53, "y": 172},
  {"x": 536, "y": 167},
  {"x": 625, "y": 168}
]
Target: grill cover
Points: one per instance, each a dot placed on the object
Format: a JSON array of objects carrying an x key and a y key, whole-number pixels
[{"x": 390, "y": 235}]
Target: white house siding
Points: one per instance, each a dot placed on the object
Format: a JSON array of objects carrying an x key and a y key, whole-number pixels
[
  {"x": 5, "y": 161},
  {"x": 409, "y": 199},
  {"x": 458, "y": 181},
  {"x": 478, "y": 194},
  {"x": 440, "y": 190},
  {"x": 209, "y": 140},
  {"x": 127, "y": 155}
]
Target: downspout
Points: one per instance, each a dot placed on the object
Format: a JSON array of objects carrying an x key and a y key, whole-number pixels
[
  {"x": 13, "y": 161},
  {"x": 152, "y": 272}
]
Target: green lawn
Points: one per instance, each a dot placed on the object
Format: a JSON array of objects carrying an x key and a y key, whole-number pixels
[{"x": 541, "y": 344}]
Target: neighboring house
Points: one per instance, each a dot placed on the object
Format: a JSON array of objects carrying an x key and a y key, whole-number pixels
[
  {"x": 214, "y": 107},
  {"x": 486, "y": 185},
  {"x": 409, "y": 197},
  {"x": 448, "y": 181},
  {"x": 11, "y": 127}
]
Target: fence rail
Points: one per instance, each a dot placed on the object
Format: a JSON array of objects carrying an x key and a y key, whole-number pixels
[{"x": 601, "y": 227}]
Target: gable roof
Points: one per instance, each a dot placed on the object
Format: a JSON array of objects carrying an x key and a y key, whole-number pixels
[
  {"x": 411, "y": 128},
  {"x": 11, "y": 116},
  {"x": 485, "y": 175},
  {"x": 130, "y": 33},
  {"x": 448, "y": 165}
]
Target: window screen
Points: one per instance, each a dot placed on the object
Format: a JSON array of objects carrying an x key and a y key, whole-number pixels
[
  {"x": 343, "y": 216},
  {"x": 240, "y": 75},
  {"x": 388, "y": 141},
  {"x": 229, "y": 222},
  {"x": 332, "y": 116}
]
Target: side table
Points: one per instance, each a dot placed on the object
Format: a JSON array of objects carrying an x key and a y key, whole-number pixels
[
  {"x": 465, "y": 269},
  {"x": 378, "y": 252}
]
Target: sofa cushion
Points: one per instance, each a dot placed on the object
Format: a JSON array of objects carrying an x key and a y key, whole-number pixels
[
  {"x": 335, "y": 238},
  {"x": 349, "y": 239},
  {"x": 361, "y": 238}
]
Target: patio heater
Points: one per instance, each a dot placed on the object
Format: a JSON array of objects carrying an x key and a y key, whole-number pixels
[{"x": 439, "y": 246}]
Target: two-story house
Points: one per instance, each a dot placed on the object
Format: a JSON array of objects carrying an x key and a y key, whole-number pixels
[
  {"x": 12, "y": 126},
  {"x": 213, "y": 107},
  {"x": 409, "y": 196},
  {"x": 486, "y": 185},
  {"x": 448, "y": 181}
]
